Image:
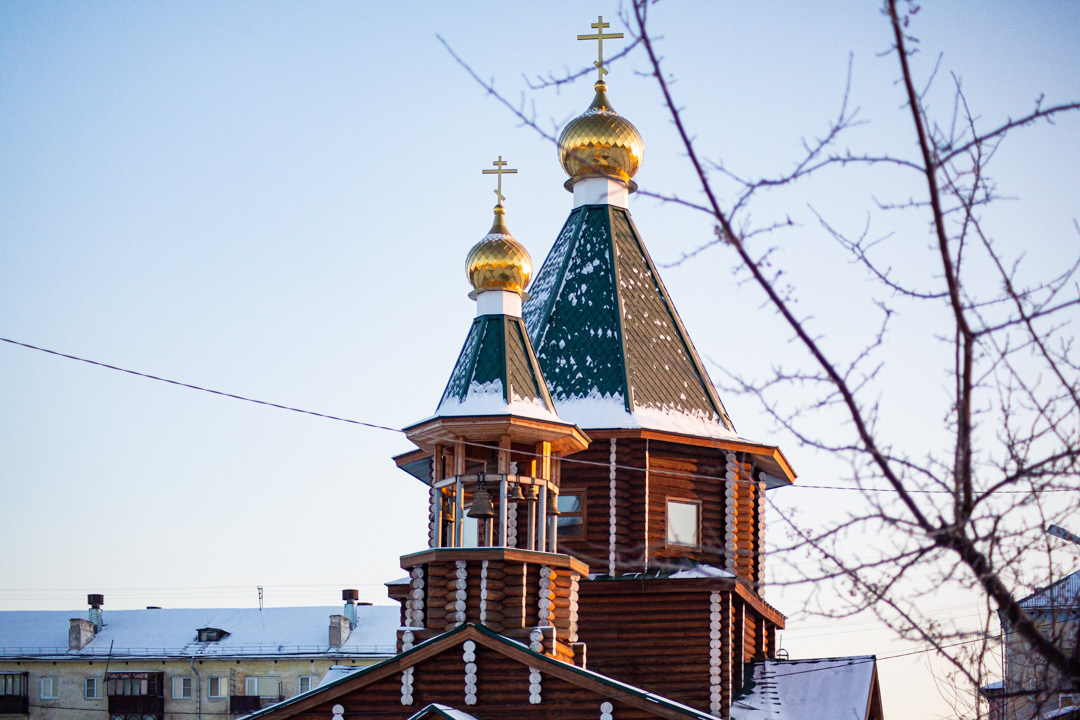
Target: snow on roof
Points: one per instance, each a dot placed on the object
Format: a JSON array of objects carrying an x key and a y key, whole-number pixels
[
  {"x": 609, "y": 411},
  {"x": 487, "y": 399},
  {"x": 700, "y": 571},
  {"x": 335, "y": 673},
  {"x": 170, "y": 632},
  {"x": 1065, "y": 593},
  {"x": 824, "y": 689},
  {"x": 442, "y": 711}
]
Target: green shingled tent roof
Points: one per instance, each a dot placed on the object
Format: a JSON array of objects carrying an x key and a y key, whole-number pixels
[
  {"x": 497, "y": 373},
  {"x": 607, "y": 335}
]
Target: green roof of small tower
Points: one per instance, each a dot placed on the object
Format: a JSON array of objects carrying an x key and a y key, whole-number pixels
[
  {"x": 497, "y": 373},
  {"x": 611, "y": 345}
]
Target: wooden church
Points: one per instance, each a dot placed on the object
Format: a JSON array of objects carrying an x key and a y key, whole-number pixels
[{"x": 596, "y": 525}]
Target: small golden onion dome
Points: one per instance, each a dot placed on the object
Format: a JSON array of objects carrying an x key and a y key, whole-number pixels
[
  {"x": 498, "y": 261},
  {"x": 601, "y": 143}
]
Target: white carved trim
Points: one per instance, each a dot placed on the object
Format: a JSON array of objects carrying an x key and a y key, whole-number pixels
[
  {"x": 339, "y": 712},
  {"x": 414, "y": 605},
  {"x": 407, "y": 686},
  {"x": 543, "y": 602},
  {"x": 468, "y": 654},
  {"x": 574, "y": 577},
  {"x": 715, "y": 688},
  {"x": 613, "y": 526},
  {"x": 646, "y": 543},
  {"x": 730, "y": 481},
  {"x": 460, "y": 592},
  {"x": 536, "y": 640},
  {"x": 483, "y": 592},
  {"x": 535, "y": 686},
  {"x": 606, "y": 710},
  {"x": 511, "y": 524},
  {"x": 433, "y": 517},
  {"x": 760, "y": 540}
]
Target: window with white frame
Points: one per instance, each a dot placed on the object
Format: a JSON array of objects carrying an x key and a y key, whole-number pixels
[
  {"x": 1068, "y": 700},
  {"x": 265, "y": 687},
  {"x": 181, "y": 688},
  {"x": 571, "y": 523},
  {"x": 306, "y": 683},
  {"x": 217, "y": 687},
  {"x": 50, "y": 688},
  {"x": 92, "y": 688},
  {"x": 684, "y": 523}
]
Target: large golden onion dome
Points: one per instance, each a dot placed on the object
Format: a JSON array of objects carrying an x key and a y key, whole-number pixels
[
  {"x": 601, "y": 143},
  {"x": 498, "y": 261}
]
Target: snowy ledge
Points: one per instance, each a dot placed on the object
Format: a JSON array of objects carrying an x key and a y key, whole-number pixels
[{"x": 609, "y": 412}]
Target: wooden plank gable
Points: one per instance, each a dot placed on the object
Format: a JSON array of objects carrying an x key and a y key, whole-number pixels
[{"x": 483, "y": 674}]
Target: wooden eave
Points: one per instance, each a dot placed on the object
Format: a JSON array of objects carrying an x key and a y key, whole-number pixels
[
  {"x": 628, "y": 694},
  {"x": 565, "y": 438},
  {"x": 770, "y": 457},
  {"x": 873, "y": 702},
  {"x": 410, "y": 457},
  {"x": 637, "y": 586},
  {"x": 494, "y": 553}
]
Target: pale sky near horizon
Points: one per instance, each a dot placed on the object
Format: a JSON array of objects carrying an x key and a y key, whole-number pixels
[{"x": 275, "y": 200}]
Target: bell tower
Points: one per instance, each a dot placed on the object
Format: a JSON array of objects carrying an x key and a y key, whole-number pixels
[{"x": 491, "y": 456}]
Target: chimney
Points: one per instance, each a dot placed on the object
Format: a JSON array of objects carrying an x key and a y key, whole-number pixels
[
  {"x": 350, "y": 597},
  {"x": 80, "y": 633},
  {"x": 339, "y": 630},
  {"x": 96, "y": 601}
]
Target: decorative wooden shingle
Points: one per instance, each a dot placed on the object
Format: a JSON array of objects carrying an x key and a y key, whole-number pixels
[
  {"x": 496, "y": 372},
  {"x": 610, "y": 343}
]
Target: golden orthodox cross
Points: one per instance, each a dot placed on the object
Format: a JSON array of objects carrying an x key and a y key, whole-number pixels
[
  {"x": 499, "y": 170},
  {"x": 600, "y": 37}
]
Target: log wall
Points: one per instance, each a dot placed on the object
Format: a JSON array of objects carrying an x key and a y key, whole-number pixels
[
  {"x": 629, "y": 533},
  {"x": 503, "y": 689}
]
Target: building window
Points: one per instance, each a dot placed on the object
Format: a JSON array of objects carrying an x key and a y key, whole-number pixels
[
  {"x": 210, "y": 635},
  {"x": 1068, "y": 700},
  {"x": 50, "y": 688},
  {"x": 13, "y": 684},
  {"x": 265, "y": 687},
  {"x": 571, "y": 521},
  {"x": 306, "y": 683},
  {"x": 684, "y": 523},
  {"x": 92, "y": 688},
  {"x": 135, "y": 683},
  {"x": 216, "y": 687},
  {"x": 181, "y": 688}
]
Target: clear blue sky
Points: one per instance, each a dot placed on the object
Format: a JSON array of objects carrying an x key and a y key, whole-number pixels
[{"x": 276, "y": 199}]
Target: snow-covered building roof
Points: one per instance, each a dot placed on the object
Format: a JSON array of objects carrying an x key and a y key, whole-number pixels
[
  {"x": 610, "y": 343},
  {"x": 173, "y": 632},
  {"x": 824, "y": 689}
]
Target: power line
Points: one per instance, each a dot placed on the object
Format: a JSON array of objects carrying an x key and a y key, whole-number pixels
[{"x": 376, "y": 426}]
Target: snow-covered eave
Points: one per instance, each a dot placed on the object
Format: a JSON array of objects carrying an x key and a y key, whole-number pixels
[{"x": 565, "y": 438}]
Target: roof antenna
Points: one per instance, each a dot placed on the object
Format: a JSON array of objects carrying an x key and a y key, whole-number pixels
[{"x": 260, "y": 598}]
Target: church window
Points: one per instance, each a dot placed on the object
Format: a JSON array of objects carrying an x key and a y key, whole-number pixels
[
  {"x": 684, "y": 523},
  {"x": 571, "y": 515}
]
